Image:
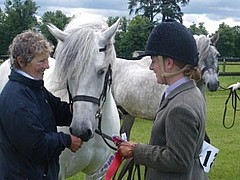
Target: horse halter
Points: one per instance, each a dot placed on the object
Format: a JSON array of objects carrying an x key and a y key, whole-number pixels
[
  {"x": 108, "y": 78},
  {"x": 206, "y": 68},
  {"x": 99, "y": 101},
  {"x": 216, "y": 69}
]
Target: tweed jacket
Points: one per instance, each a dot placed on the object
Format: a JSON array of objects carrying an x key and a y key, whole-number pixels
[{"x": 176, "y": 138}]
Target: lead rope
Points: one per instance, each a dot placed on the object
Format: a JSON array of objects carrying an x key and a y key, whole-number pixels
[
  {"x": 131, "y": 168},
  {"x": 235, "y": 98}
]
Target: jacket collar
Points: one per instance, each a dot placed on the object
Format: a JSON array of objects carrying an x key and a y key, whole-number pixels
[
  {"x": 183, "y": 87},
  {"x": 32, "y": 83}
]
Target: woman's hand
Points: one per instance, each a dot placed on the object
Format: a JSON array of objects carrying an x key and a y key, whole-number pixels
[
  {"x": 76, "y": 143},
  {"x": 126, "y": 149}
]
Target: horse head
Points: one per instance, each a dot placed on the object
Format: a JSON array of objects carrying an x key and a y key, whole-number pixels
[
  {"x": 208, "y": 60},
  {"x": 83, "y": 57}
]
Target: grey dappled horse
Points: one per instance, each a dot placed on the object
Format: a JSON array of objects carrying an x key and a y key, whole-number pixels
[{"x": 137, "y": 93}]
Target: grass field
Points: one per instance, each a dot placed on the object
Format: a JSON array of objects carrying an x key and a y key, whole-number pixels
[{"x": 227, "y": 162}]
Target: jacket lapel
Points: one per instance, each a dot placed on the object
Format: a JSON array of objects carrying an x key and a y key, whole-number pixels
[{"x": 183, "y": 87}]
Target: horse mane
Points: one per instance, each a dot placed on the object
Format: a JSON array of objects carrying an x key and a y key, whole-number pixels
[
  {"x": 203, "y": 44},
  {"x": 72, "y": 56}
]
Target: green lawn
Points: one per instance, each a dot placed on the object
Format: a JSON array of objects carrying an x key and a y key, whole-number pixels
[{"x": 227, "y": 162}]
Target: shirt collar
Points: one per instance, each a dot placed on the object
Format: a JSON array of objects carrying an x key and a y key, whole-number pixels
[
  {"x": 24, "y": 74},
  {"x": 176, "y": 84}
]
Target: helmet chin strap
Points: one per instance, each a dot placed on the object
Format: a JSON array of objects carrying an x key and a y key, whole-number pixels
[{"x": 170, "y": 74}]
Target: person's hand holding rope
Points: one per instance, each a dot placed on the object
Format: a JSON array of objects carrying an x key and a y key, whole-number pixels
[
  {"x": 234, "y": 87},
  {"x": 234, "y": 96}
]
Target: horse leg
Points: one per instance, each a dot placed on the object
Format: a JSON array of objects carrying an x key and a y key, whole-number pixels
[{"x": 127, "y": 123}]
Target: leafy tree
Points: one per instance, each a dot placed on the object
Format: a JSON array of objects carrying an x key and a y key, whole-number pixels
[
  {"x": 226, "y": 44},
  {"x": 237, "y": 41},
  {"x": 135, "y": 37},
  {"x": 147, "y": 8},
  {"x": 56, "y": 18},
  {"x": 120, "y": 34},
  {"x": 123, "y": 23},
  {"x": 200, "y": 29},
  {"x": 3, "y": 33},
  {"x": 152, "y": 8},
  {"x": 18, "y": 16},
  {"x": 171, "y": 9}
]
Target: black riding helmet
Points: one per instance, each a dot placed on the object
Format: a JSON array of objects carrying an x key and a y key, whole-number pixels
[{"x": 174, "y": 40}]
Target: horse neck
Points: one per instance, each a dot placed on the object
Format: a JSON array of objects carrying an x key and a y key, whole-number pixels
[
  {"x": 202, "y": 86},
  {"x": 110, "y": 117}
]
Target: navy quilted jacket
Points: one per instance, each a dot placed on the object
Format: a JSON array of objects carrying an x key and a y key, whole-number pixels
[{"x": 29, "y": 142}]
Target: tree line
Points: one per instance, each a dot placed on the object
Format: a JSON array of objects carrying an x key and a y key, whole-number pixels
[{"x": 21, "y": 15}]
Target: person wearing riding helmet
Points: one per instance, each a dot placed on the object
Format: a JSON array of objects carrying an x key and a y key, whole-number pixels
[{"x": 178, "y": 129}]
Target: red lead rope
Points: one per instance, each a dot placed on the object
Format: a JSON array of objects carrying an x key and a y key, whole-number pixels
[
  {"x": 114, "y": 166},
  {"x": 116, "y": 161}
]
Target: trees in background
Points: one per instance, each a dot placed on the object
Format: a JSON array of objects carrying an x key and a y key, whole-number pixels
[
  {"x": 200, "y": 29},
  {"x": 132, "y": 37},
  {"x": 229, "y": 40},
  {"x": 153, "y": 9},
  {"x": 17, "y": 17},
  {"x": 20, "y": 15},
  {"x": 58, "y": 19}
]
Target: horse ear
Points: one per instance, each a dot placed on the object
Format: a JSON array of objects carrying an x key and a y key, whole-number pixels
[
  {"x": 111, "y": 30},
  {"x": 57, "y": 33},
  {"x": 215, "y": 38}
]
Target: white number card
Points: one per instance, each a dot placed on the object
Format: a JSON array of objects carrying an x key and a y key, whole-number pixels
[{"x": 207, "y": 156}]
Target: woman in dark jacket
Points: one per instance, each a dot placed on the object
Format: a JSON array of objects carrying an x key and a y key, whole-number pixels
[
  {"x": 30, "y": 145},
  {"x": 179, "y": 127}
]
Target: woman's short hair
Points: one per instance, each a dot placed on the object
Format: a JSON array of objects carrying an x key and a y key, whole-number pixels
[{"x": 26, "y": 45}]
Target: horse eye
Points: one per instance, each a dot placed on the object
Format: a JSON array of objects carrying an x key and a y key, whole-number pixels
[
  {"x": 103, "y": 49},
  {"x": 101, "y": 71}
]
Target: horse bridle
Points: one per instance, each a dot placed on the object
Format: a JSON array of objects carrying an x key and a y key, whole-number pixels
[
  {"x": 99, "y": 101},
  {"x": 216, "y": 69}
]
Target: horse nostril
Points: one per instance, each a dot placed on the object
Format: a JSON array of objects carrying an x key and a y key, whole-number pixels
[
  {"x": 89, "y": 133},
  {"x": 213, "y": 86},
  {"x": 86, "y": 135}
]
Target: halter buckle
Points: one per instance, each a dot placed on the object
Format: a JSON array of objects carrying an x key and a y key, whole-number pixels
[{"x": 98, "y": 114}]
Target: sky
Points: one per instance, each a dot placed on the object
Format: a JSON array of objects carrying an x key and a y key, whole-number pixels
[{"x": 210, "y": 12}]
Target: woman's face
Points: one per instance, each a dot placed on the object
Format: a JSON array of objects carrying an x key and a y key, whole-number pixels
[
  {"x": 37, "y": 66},
  {"x": 155, "y": 67}
]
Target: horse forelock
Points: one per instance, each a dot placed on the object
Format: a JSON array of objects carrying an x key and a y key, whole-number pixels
[
  {"x": 203, "y": 46},
  {"x": 82, "y": 21},
  {"x": 74, "y": 54}
]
